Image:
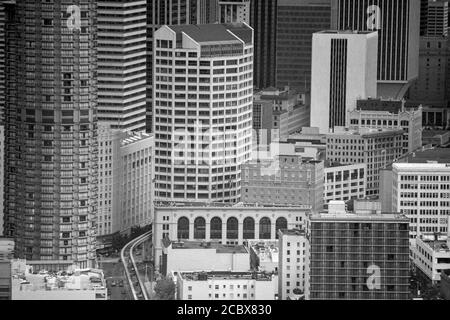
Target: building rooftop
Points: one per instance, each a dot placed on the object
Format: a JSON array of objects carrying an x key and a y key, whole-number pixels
[
  {"x": 220, "y": 248},
  {"x": 136, "y": 138},
  {"x": 325, "y": 216},
  {"x": 225, "y": 275},
  {"x": 226, "y": 206},
  {"x": 266, "y": 250},
  {"x": 85, "y": 279},
  {"x": 422, "y": 166},
  {"x": 360, "y": 32},
  {"x": 204, "y": 33},
  {"x": 365, "y": 132},
  {"x": 437, "y": 245},
  {"x": 293, "y": 232}
]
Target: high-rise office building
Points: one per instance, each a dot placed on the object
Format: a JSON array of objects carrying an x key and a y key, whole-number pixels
[
  {"x": 423, "y": 17},
  {"x": 207, "y": 11},
  {"x": 398, "y": 26},
  {"x": 343, "y": 70},
  {"x": 432, "y": 88},
  {"x": 263, "y": 19},
  {"x": 232, "y": 11},
  {"x": 297, "y": 20},
  {"x": 203, "y": 96},
  {"x": 50, "y": 133},
  {"x": 437, "y": 19},
  {"x": 355, "y": 256},
  {"x": 122, "y": 56},
  {"x": 168, "y": 12},
  {"x": 2, "y": 59}
]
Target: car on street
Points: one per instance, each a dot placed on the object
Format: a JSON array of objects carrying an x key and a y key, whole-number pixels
[{"x": 113, "y": 284}]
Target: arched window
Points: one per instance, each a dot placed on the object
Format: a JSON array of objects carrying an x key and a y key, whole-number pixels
[
  {"x": 264, "y": 228},
  {"x": 183, "y": 228},
  {"x": 216, "y": 228},
  {"x": 280, "y": 224},
  {"x": 232, "y": 228},
  {"x": 199, "y": 228},
  {"x": 249, "y": 228}
]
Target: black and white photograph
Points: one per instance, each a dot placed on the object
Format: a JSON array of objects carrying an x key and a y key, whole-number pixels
[{"x": 225, "y": 155}]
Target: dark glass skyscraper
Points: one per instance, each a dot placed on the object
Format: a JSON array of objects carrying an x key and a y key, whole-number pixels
[
  {"x": 297, "y": 20},
  {"x": 398, "y": 25},
  {"x": 50, "y": 134},
  {"x": 263, "y": 19}
]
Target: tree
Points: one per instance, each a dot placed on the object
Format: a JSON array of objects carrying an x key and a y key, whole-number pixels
[{"x": 165, "y": 289}]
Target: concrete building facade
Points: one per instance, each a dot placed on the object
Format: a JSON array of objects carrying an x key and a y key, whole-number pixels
[
  {"x": 221, "y": 223},
  {"x": 122, "y": 58},
  {"x": 421, "y": 191},
  {"x": 344, "y": 182},
  {"x": 233, "y": 11},
  {"x": 359, "y": 257},
  {"x": 125, "y": 182},
  {"x": 375, "y": 148},
  {"x": 204, "y": 256},
  {"x": 225, "y": 286},
  {"x": 389, "y": 114},
  {"x": 293, "y": 270},
  {"x": 393, "y": 20},
  {"x": 344, "y": 65},
  {"x": 286, "y": 180},
  {"x": 203, "y": 85}
]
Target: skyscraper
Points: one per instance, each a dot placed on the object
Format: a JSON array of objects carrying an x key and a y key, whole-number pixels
[
  {"x": 167, "y": 12},
  {"x": 50, "y": 134},
  {"x": 297, "y": 20},
  {"x": 437, "y": 19},
  {"x": 203, "y": 95},
  {"x": 232, "y": 11},
  {"x": 122, "y": 54},
  {"x": 263, "y": 19},
  {"x": 344, "y": 65},
  {"x": 398, "y": 25}
]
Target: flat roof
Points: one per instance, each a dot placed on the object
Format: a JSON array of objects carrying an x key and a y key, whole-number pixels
[
  {"x": 220, "y": 248},
  {"x": 439, "y": 155},
  {"x": 358, "y": 217},
  {"x": 203, "y": 33},
  {"x": 422, "y": 166},
  {"x": 360, "y": 32},
  {"x": 293, "y": 232},
  {"x": 225, "y": 275}
]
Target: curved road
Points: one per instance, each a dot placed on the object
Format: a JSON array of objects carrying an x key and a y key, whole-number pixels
[{"x": 137, "y": 286}]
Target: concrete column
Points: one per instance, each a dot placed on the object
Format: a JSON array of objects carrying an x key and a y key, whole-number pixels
[
  {"x": 224, "y": 231},
  {"x": 191, "y": 229},
  {"x": 256, "y": 229},
  {"x": 208, "y": 230},
  {"x": 273, "y": 233},
  {"x": 240, "y": 231}
]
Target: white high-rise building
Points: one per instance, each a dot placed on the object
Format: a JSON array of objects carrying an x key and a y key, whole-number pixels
[
  {"x": 422, "y": 192},
  {"x": 122, "y": 50},
  {"x": 344, "y": 69},
  {"x": 232, "y": 11},
  {"x": 293, "y": 270},
  {"x": 203, "y": 97},
  {"x": 125, "y": 181},
  {"x": 397, "y": 23}
]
